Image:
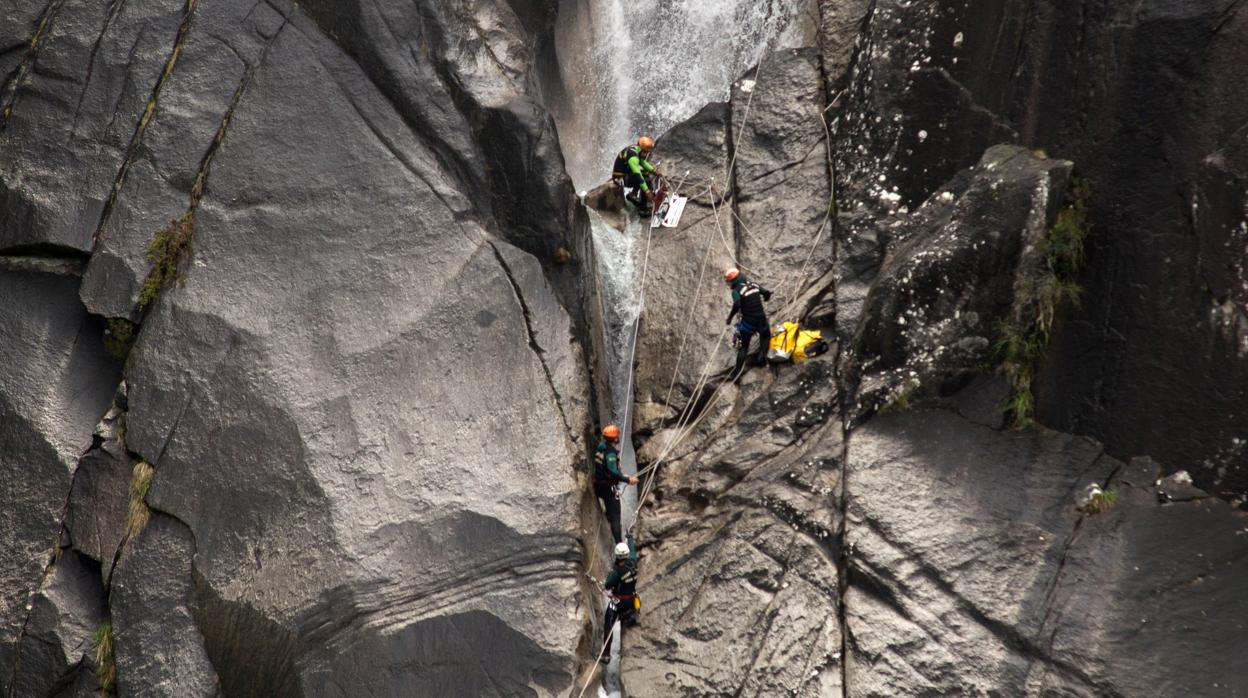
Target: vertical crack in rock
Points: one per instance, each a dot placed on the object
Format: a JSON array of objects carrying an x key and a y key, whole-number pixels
[
  {"x": 533, "y": 344},
  {"x": 201, "y": 175},
  {"x": 1006, "y": 634},
  {"x": 729, "y": 195},
  {"x": 61, "y": 535},
  {"x": 114, "y": 9},
  {"x": 179, "y": 40},
  {"x": 8, "y": 93},
  {"x": 1049, "y": 610},
  {"x": 770, "y": 616}
]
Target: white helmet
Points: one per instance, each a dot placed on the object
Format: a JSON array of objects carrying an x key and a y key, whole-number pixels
[{"x": 621, "y": 551}]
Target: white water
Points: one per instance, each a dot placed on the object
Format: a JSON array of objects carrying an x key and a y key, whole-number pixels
[
  {"x": 679, "y": 56},
  {"x": 654, "y": 63}
]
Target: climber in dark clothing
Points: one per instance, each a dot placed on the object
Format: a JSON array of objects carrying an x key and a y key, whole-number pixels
[
  {"x": 747, "y": 299},
  {"x": 622, "y": 585},
  {"x": 607, "y": 476},
  {"x": 632, "y": 170}
]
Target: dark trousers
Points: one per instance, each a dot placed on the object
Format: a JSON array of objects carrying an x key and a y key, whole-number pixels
[
  {"x": 617, "y": 609},
  {"x": 638, "y": 197},
  {"x": 764, "y": 339},
  {"x": 611, "y": 504}
]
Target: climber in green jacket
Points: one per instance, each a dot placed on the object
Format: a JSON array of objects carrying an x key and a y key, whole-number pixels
[
  {"x": 632, "y": 170},
  {"x": 623, "y": 604},
  {"x": 607, "y": 477}
]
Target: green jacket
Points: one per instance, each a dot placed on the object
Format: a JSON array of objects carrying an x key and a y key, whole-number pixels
[
  {"x": 623, "y": 577},
  {"x": 632, "y": 160},
  {"x": 607, "y": 465}
]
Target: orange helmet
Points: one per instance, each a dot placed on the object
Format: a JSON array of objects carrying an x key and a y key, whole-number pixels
[
  {"x": 611, "y": 432},
  {"x": 731, "y": 275},
  {"x": 646, "y": 143}
]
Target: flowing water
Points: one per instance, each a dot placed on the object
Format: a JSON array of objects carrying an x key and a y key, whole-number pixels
[
  {"x": 647, "y": 65},
  {"x": 642, "y": 66}
]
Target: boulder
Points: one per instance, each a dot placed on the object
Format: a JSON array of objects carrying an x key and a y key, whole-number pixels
[
  {"x": 973, "y": 571},
  {"x": 739, "y": 571},
  {"x": 157, "y": 646},
  {"x": 1154, "y": 141},
  {"x": 58, "y": 648},
  {"x": 56, "y": 383},
  {"x": 960, "y": 274},
  {"x": 358, "y": 393},
  {"x": 70, "y": 127}
]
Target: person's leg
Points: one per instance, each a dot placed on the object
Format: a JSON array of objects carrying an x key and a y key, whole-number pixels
[
  {"x": 764, "y": 340},
  {"x": 613, "y": 516},
  {"x": 610, "y": 508},
  {"x": 632, "y": 184},
  {"x": 608, "y": 626},
  {"x": 743, "y": 350}
]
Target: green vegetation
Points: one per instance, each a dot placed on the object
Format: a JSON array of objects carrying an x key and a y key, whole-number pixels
[
  {"x": 1101, "y": 501},
  {"x": 168, "y": 252},
  {"x": 105, "y": 668},
  {"x": 1020, "y": 346},
  {"x": 137, "y": 514},
  {"x": 119, "y": 337},
  {"x": 899, "y": 398}
]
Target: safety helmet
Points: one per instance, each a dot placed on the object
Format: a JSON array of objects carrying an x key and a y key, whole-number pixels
[
  {"x": 611, "y": 432},
  {"x": 731, "y": 275},
  {"x": 621, "y": 551},
  {"x": 646, "y": 143}
]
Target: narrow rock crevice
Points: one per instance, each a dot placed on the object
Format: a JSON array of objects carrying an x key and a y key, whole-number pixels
[
  {"x": 114, "y": 9},
  {"x": 1006, "y": 634},
  {"x": 132, "y": 149},
  {"x": 533, "y": 343},
  {"x": 205, "y": 163},
  {"x": 13, "y": 85}
]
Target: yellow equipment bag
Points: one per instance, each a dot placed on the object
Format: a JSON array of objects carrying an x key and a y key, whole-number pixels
[{"x": 789, "y": 342}]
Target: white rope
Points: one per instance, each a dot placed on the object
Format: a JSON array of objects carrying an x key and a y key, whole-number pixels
[
  {"x": 594, "y": 669},
  {"x": 827, "y": 217},
  {"x": 684, "y": 335}
]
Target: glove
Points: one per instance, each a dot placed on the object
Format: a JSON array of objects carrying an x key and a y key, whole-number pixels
[{"x": 649, "y": 196}]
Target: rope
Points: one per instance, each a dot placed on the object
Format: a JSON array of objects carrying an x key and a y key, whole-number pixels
[
  {"x": 827, "y": 217},
  {"x": 596, "y": 661},
  {"x": 684, "y": 335}
]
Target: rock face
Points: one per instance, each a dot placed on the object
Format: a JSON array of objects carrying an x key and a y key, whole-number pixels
[
  {"x": 962, "y": 559},
  {"x": 299, "y": 365},
  {"x": 1140, "y": 98},
  {"x": 56, "y": 383},
  {"x": 361, "y": 379}
]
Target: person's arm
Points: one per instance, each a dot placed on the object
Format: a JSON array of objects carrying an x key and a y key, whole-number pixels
[
  {"x": 766, "y": 293},
  {"x": 634, "y": 166},
  {"x": 613, "y": 469},
  {"x": 646, "y": 164},
  {"x": 613, "y": 580},
  {"x": 736, "y": 307}
]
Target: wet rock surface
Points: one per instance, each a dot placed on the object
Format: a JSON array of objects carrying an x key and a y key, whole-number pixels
[
  {"x": 364, "y": 381},
  {"x": 963, "y": 559}
]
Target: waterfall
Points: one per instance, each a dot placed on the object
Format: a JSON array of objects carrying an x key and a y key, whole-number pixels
[{"x": 643, "y": 66}]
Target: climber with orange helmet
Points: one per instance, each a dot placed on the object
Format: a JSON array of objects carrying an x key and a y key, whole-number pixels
[
  {"x": 607, "y": 477},
  {"x": 632, "y": 171},
  {"x": 747, "y": 299}
]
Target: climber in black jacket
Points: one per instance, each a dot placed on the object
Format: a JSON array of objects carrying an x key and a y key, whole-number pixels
[
  {"x": 607, "y": 477},
  {"x": 747, "y": 299}
]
